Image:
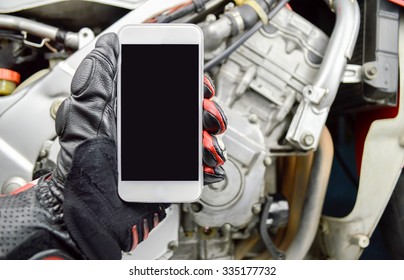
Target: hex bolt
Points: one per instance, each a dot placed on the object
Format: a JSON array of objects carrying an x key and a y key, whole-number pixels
[
  {"x": 370, "y": 72},
  {"x": 256, "y": 208},
  {"x": 210, "y": 18},
  {"x": 360, "y": 240},
  {"x": 307, "y": 140},
  {"x": 253, "y": 118},
  {"x": 43, "y": 153},
  {"x": 267, "y": 161},
  {"x": 226, "y": 228}
]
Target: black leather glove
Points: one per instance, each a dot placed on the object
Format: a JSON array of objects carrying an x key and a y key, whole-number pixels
[{"x": 76, "y": 212}]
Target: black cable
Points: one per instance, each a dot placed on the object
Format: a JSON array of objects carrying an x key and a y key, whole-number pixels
[
  {"x": 196, "y": 5},
  {"x": 244, "y": 37},
  {"x": 275, "y": 252}
]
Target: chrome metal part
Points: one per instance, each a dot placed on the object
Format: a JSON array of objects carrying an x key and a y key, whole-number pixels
[
  {"x": 217, "y": 32},
  {"x": 238, "y": 20},
  {"x": 311, "y": 115},
  {"x": 86, "y": 35},
  {"x": 384, "y": 135},
  {"x": 41, "y": 30}
]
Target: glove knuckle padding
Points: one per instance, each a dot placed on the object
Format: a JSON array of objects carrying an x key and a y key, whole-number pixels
[
  {"x": 60, "y": 122},
  {"x": 82, "y": 76}
]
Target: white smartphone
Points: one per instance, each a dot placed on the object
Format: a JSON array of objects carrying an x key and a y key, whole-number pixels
[{"x": 159, "y": 113}]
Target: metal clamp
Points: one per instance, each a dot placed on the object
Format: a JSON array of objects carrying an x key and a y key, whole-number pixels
[
  {"x": 314, "y": 94},
  {"x": 33, "y": 44}
]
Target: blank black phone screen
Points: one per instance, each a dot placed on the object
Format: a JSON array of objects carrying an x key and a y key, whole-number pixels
[{"x": 159, "y": 113}]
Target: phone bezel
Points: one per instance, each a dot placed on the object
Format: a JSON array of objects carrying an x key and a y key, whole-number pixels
[{"x": 161, "y": 191}]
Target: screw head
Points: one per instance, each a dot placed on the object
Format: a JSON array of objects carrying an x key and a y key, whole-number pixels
[
  {"x": 307, "y": 140},
  {"x": 370, "y": 72},
  {"x": 42, "y": 153},
  {"x": 226, "y": 227},
  {"x": 253, "y": 118},
  {"x": 267, "y": 161},
  {"x": 256, "y": 208}
]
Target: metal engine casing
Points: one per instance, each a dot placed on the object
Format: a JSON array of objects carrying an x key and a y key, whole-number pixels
[
  {"x": 231, "y": 201},
  {"x": 259, "y": 87},
  {"x": 265, "y": 77}
]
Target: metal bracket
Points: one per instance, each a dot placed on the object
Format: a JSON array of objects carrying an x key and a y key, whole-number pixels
[
  {"x": 86, "y": 35},
  {"x": 306, "y": 126},
  {"x": 308, "y": 122},
  {"x": 314, "y": 94},
  {"x": 352, "y": 74},
  {"x": 378, "y": 74}
]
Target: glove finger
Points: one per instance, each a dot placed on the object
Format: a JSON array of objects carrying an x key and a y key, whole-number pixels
[
  {"x": 93, "y": 88},
  {"x": 214, "y": 151},
  {"x": 208, "y": 89},
  {"x": 214, "y": 118},
  {"x": 213, "y": 175},
  {"x": 89, "y": 111}
]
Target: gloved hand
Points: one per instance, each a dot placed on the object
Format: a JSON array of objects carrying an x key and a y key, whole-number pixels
[
  {"x": 75, "y": 212},
  {"x": 214, "y": 122}
]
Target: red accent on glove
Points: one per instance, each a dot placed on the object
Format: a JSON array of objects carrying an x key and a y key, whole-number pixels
[
  {"x": 211, "y": 107},
  {"x": 208, "y": 169},
  {"x": 398, "y": 2},
  {"x": 208, "y": 84},
  {"x": 210, "y": 145},
  {"x": 24, "y": 188}
]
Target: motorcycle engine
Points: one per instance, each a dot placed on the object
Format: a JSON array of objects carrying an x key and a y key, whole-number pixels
[{"x": 259, "y": 87}]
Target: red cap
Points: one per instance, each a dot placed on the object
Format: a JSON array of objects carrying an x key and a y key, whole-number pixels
[
  {"x": 9, "y": 75},
  {"x": 398, "y": 2}
]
